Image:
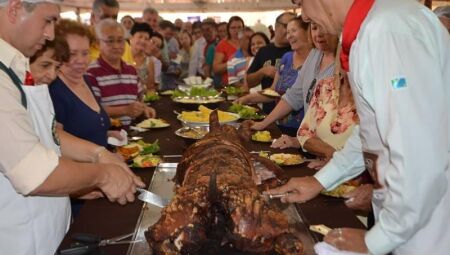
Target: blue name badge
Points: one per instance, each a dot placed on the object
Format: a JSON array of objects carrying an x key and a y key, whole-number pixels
[{"x": 399, "y": 83}]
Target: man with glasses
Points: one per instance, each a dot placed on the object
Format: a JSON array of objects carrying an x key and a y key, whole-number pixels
[
  {"x": 263, "y": 68},
  {"x": 39, "y": 166},
  {"x": 114, "y": 82},
  {"x": 397, "y": 56}
]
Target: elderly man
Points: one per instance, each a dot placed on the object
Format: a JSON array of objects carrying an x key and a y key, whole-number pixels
[
  {"x": 35, "y": 181},
  {"x": 398, "y": 57},
  {"x": 263, "y": 68},
  {"x": 114, "y": 82}
]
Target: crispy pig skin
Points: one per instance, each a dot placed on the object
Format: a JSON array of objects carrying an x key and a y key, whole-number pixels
[{"x": 216, "y": 198}]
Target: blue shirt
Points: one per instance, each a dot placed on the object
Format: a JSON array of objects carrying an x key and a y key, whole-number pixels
[
  {"x": 287, "y": 77},
  {"x": 77, "y": 117}
]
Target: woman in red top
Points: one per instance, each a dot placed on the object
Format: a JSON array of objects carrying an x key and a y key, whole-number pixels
[{"x": 227, "y": 47}]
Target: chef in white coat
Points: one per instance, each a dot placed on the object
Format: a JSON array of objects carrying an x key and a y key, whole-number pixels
[
  {"x": 35, "y": 181},
  {"x": 397, "y": 54}
]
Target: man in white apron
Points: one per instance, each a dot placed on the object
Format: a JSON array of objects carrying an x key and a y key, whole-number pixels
[
  {"x": 35, "y": 182},
  {"x": 397, "y": 54}
]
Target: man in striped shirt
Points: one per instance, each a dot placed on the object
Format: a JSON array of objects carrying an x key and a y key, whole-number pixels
[{"x": 115, "y": 83}]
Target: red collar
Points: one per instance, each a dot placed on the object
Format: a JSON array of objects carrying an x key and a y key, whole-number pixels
[
  {"x": 355, "y": 17},
  {"x": 29, "y": 81}
]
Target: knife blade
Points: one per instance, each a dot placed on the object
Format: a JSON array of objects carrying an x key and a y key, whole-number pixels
[{"x": 152, "y": 198}]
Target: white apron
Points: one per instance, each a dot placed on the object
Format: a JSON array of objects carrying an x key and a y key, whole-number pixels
[{"x": 33, "y": 225}]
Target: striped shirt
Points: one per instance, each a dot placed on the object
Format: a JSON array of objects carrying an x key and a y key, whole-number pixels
[
  {"x": 114, "y": 87},
  {"x": 306, "y": 81}
]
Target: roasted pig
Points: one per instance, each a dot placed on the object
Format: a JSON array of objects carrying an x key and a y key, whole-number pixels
[{"x": 217, "y": 199}]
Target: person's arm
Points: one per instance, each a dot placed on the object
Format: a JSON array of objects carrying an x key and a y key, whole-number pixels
[
  {"x": 134, "y": 110},
  {"x": 254, "y": 98},
  {"x": 151, "y": 84},
  {"x": 218, "y": 66},
  {"x": 344, "y": 165},
  {"x": 280, "y": 110},
  {"x": 275, "y": 80},
  {"x": 30, "y": 166},
  {"x": 317, "y": 146},
  {"x": 414, "y": 130}
]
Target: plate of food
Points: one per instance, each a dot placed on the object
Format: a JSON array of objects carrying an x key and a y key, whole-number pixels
[
  {"x": 143, "y": 161},
  {"x": 194, "y": 133},
  {"x": 201, "y": 117},
  {"x": 262, "y": 136},
  {"x": 269, "y": 93},
  {"x": 246, "y": 112},
  {"x": 135, "y": 149},
  {"x": 339, "y": 191},
  {"x": 153, "y": 123},
  {"x": 287, "y": 159}
]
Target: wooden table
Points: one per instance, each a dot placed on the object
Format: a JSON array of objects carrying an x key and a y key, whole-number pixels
[{"x": 100, "y": 217}]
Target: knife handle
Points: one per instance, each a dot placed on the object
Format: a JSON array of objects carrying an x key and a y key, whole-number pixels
[
  {"x": 86, "y": 238},
  {"x": 80, "y": 250}
]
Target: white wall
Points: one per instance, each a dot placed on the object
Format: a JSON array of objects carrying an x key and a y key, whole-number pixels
[{"x": 250, "y": 18}]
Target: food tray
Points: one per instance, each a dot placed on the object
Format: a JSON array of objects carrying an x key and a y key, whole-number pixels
[
  {"x": 206, "y": 124},
  {"x": 162, "y": 184}
]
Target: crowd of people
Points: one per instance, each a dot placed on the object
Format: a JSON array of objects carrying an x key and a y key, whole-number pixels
[{"x": 356, "y": 104}]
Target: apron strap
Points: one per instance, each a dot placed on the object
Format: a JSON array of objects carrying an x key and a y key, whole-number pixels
[{"x": 16, "y": 81}]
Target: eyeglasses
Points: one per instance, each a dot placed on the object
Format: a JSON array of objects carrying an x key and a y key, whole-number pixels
[{"x": 111, "y": 41}]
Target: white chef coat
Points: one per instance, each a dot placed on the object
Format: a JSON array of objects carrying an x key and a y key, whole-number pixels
[
  {"x": 29, "y": 225},
  {"x": 400, "y": 75}
]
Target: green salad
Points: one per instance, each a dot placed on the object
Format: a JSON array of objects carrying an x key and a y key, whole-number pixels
[
  {"x": 151, "y": 96},
  {"x": 233, "y": 91},
  {"x": 148, "y": 148},
  {"x": 246, "y": 112}
]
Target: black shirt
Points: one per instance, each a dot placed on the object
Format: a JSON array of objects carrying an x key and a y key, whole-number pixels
[{"x": 268, "y": 55}]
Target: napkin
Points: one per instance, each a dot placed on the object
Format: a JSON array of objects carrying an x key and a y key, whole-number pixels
[
  {"x": 323, "y": 248},
  {"x": 116, "y": 142}
]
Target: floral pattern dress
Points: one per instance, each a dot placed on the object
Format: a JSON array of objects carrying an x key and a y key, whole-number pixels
[{"x": 325, "y": 119}]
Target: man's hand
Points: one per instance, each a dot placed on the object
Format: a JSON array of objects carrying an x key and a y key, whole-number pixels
[
  {"x": 269, "y": 71},
  {"x": 108, "y": 157},
  {"x": 347, "y": 239},
  {"x": 149, "y": 112},
  {"x": 285, "y": 141},
  {"x": 242, "y": 100},
  {"x": 360, "y": 198},
  {"x": 135, "y": 109},
  {"x": 258, "y": 126},
  {"x": 118, "y": 184},
  {"x": 301, "y": 189}
]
